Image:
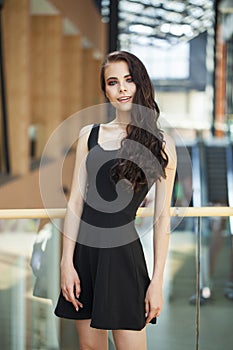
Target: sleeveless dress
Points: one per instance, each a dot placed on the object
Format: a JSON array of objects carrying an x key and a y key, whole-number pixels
[{"x": 108, "y": 254}]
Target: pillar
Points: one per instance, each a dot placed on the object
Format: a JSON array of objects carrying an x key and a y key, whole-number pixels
[
  {"x": 46, "y": 75},
  {"x": 71, "y": 75},
  {"x": 220, "y": 85},
  {"x": 16, "y": 46}
]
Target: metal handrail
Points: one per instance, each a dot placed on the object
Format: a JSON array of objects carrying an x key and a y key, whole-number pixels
[
  {"x": 142, "y": 212},
  {"x": 196, "y": 175},
  {"x": 229, "y": 161}
]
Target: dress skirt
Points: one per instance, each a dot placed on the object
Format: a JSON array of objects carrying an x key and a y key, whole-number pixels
[{"x": 113, "y": 287}]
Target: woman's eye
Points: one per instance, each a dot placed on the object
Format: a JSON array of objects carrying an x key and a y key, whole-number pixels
[
  {"x": 112, "y": 82},
  {"x": 129, "y": 80}
]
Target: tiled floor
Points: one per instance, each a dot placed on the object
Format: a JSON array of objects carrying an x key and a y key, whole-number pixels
[{"x": 27, "y": 322}]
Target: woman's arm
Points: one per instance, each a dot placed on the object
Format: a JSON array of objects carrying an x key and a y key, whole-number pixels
[
  {"x": 70, "y": 283},
  {"x": 161, "y": 228}
]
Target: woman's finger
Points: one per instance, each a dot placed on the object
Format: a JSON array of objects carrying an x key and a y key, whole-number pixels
[
  {"x": 77, "y": 289},
  {"x": 147, "y": 308},
  {"x": 80, "y": 304},
  {"x": 73, "y": 299},
  {"x": 152, "y": 313},
  {"x": 150, "y": 316},
  {"x": 77, "y": 304},
  {"x": 65, "y": 295},
  {"x": 158, "y": 310}
]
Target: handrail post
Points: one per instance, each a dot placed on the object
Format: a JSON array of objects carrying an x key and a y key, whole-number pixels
[{"x": 198, "y": 254}]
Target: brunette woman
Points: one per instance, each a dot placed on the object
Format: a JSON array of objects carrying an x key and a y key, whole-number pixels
[{"x": 104, "y": 279}]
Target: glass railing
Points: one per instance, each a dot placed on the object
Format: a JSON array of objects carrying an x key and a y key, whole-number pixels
[{"x": 198, "y": 285}]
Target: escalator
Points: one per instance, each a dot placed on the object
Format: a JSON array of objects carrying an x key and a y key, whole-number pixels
[
  {"x": 217, "y": 178},
  {"x": 204, "y": 174},
  {"x": 215, "y": 169},
  {"x": 212, "y": 185}
]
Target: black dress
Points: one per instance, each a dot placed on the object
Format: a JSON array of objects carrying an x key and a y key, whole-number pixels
[{"x": 108, "y": 254}]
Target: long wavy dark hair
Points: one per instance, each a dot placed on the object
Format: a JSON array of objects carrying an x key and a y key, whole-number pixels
[{"x": 133, "y": 164}]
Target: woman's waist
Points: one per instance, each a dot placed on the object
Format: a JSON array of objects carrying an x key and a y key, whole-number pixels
[
  {"x": 103, "y": 230},
  {"x": 104, "y": 217}
]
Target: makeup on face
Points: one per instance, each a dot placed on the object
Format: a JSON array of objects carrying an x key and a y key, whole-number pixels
[{"x": 120, "y": 87}]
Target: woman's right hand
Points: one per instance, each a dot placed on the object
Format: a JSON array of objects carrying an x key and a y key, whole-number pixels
[{"x": 70, "y": 284}]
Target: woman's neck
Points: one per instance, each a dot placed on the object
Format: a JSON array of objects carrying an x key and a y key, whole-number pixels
[{"x": 123, "y": 118}]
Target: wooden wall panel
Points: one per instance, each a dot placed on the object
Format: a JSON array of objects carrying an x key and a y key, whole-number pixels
[
  {"x": 80, "y": 83},
  {"x": 25, "y": 192},
  {"x": 16, "y": 36},
  {"x": 86, "y": 17},
  {"x": 72, "y": 75},
  {"x": 99, "y": 95},
  {"x": 91, "y": 78},
  {"x": 87, "y": 77},
  {"x": 91, "y": 90},
  {"x": 220, "y": 85},
  {"x": 46, "y": 77}
]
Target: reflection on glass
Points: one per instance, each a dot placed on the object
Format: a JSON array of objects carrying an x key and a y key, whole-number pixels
[
  {"x": 26, "y": 320},
  {"x": 29, "y": 287},
  {"x": 217, "y": 271},
  {"x": 175, "y": 328}
]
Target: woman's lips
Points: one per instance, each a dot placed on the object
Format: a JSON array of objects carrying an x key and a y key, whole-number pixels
[{"x": 124, "y": 99}]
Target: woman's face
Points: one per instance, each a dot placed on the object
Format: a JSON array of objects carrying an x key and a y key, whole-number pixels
[{"x": 119, "y": 85}]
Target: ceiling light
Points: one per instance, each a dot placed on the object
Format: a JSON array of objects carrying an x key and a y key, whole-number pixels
[{"x": 141, "y": 29}]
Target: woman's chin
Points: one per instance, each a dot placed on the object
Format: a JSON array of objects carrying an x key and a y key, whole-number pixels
[{"x": 123, "y": 107}]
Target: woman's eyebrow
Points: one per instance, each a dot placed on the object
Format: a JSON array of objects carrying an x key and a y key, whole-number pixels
[
  {"x": 125, "y": 76},
  {"x": 111, "y": 78}
]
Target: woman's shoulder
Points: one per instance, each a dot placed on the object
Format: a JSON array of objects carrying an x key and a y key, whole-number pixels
[
  {"x": 168, "y": 139},
  {"x": 83, "y": 137},
  {"x": 170, "y": 149},
  {"x": 85, "y": 130}
]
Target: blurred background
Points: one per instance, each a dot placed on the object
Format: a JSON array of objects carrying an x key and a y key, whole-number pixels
[{"x": 50, "y": 57}]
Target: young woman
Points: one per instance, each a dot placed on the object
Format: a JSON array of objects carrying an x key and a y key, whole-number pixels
[{"x": 104, "y": 279}]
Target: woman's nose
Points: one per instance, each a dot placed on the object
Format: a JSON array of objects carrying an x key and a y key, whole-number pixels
[{"x": 122, "y": 87}]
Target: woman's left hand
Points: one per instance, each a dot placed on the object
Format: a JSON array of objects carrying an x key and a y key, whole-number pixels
[{"x": 153, "y": 300}]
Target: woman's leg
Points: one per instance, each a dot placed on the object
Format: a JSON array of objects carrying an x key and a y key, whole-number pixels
[
  {"x": 91, "y": 338},
  {"x": 130, "y": 340}
]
